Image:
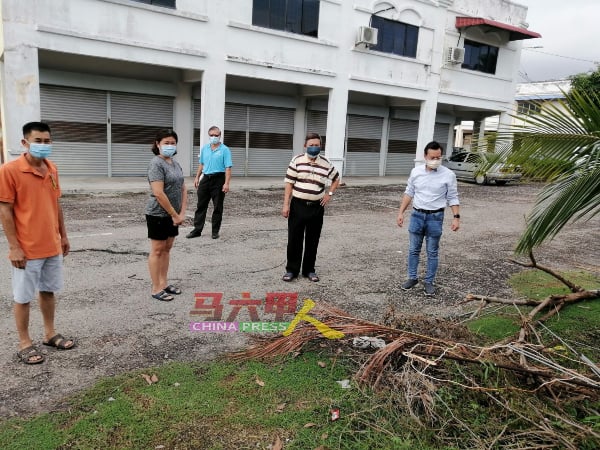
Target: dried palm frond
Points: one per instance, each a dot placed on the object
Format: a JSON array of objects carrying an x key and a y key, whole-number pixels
[
  {"x": 521, "y": 358},
  {"x": 305, "y": 332}
]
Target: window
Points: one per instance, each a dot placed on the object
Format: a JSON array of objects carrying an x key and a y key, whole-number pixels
[
  {"x": 527, "y": 108},
  {"x": 165, "y": 3},
  {"x": 395, "y": 37},
  {"x": 480, "y": 57},
  {"x": 294, "y": 16}
]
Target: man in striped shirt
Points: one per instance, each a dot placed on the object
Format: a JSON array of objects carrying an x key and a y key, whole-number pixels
[{"x": 304, "y": 206}]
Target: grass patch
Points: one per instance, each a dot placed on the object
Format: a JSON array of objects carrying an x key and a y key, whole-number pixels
[
  {"x": 577, "y": 324},
  {"x": 221, "y": 405},
  {"x": 225, "y": 405}
]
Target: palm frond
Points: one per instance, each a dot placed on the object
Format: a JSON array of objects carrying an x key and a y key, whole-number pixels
[
  {"x": 575, "y": 197},
  {"x": 561, "y": 145}
]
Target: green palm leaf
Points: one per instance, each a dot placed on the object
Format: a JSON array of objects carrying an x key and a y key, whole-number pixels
[{"x": 561, "y": 145}]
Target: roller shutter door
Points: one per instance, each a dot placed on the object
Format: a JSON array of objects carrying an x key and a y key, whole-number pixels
[
  {"x": 236, "y": 136},
  {"x": 99, "y": 133},
  {"x": 197, "y": 138},
  {"x": 440, "y": 134},
  {"x": 271, "y": 136},
  {"x": 316, "y": 122},
  {"x": 402, "y": 146},
  {"x": 77, "y": 118},
  {"x": 260, "y": 138},
  {"x": 363, "y": 144},
  {"x": 135, "y": 120}
]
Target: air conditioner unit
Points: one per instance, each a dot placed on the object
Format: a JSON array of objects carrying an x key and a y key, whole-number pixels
[
  {"x": 456, "y": 55},
  {"x": 367, "y": 36}
]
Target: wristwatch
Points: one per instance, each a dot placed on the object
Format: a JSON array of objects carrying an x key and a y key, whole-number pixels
[
  {"x": 330, "y": 192},
  {"x": 457, "y": 216}
]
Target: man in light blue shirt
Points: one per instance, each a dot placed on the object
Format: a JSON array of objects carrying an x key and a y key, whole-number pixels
[
  {"x": 431, "y": 187},
  {"x": 212, "y": 181}
]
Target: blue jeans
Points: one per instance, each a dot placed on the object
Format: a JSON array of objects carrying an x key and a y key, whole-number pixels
[{"x": 428, "y": 226}]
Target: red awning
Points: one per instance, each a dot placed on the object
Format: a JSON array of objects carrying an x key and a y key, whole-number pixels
[{"x": 516, "y": 33}]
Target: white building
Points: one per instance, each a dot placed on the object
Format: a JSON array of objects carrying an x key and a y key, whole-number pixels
[
  {"x": 532, "y": 96},
  {"x": 537, "y": 95},
  {"x": 106, "y": 74}
]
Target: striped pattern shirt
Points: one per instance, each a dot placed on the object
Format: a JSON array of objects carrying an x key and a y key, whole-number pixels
[{"x": 310, "y": 176}]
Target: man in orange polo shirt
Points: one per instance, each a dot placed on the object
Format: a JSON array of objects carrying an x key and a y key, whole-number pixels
[{"x": 35, "y": 230}]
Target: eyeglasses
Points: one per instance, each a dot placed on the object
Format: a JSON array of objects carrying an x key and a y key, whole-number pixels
[{"x": 214, "y": 135}]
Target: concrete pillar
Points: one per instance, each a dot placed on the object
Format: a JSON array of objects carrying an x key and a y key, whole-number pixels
[
  {"x": 212, "y": 102},
  {"x": 20, "y": 96},
  {"x": 385, "y": 136},
  {"x": 426, "y": 127},
  {"x": 337, "y": 109},
  {"x": 450, "y": 140},
  {"x": 504, "y": 123},
  {"x": 184, "y": 113},
  {"x": 481, "y": 142},
  {"x": 300, "y": 126},
  {"x": 475, "y": 142}
]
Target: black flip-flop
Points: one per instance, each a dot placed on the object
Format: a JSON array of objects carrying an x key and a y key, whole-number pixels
[
  {"x": 170, "y": 289},
  {"x": 163, "y": 296}
]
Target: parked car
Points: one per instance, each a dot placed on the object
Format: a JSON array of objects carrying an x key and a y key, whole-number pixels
[{"x": 466, "y": 167}]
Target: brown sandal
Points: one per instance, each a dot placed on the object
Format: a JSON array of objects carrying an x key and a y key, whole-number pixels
[
  {"x": 28, "y": 354},
  {"x": 60, "y": 342}
]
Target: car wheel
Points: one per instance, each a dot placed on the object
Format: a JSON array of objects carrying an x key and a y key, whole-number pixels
[
  {"x": 481, "y": 179},
  {"x": 501, "y": 182}
]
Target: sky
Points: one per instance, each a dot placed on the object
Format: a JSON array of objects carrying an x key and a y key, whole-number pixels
[{"x": 569, "y": 30}]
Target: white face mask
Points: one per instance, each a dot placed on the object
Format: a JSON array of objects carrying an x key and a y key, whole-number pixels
[{"x": 433, "y": 163}]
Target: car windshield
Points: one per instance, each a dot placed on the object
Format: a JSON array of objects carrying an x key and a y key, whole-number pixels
[{"x": 459, "y": 157}]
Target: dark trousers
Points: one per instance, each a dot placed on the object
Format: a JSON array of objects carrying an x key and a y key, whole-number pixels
[
  {"x": 210, "y": 188},
  {"x": 305, "y": 222}
]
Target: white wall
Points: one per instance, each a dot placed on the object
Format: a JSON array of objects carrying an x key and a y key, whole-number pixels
[{"x": 216, "y": 39}]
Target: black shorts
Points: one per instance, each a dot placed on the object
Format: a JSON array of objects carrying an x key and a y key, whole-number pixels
[{"x": 161, "y": 228}]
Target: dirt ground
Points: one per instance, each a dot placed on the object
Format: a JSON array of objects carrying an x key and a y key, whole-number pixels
[{"x": 106, "y": 302}]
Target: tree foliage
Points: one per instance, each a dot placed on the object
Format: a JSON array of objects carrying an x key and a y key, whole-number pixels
[
  {"x": 560, "y": 144},
  {"x": 587, "y": 82}
]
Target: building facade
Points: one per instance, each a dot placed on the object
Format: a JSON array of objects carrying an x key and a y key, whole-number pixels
[
  {"x": 377, "y": 79},
  {"x": 535, "y": 96},
  {"x": 529, "y": 97}
]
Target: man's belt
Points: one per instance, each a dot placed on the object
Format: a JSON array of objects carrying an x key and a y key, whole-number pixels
[
  {"x": 427, "y": 211},
  {"x": 215, "y": 174},
  {"x": 307, "y": 202}
]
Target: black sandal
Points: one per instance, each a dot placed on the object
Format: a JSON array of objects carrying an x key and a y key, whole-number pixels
[
  {"x": 163, "y": 296},
  {"x": 170, "y": 289},
  {"x": 313, "y": 277},
  {"x": 289, "y": 276}
]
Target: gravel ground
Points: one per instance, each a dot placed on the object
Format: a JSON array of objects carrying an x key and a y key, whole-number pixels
[{"x": 106, "y": 303}]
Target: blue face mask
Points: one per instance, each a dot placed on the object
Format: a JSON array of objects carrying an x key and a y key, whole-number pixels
[
  {"x": 214, "y": 140},
  {"x": 168, "y": 150},
  {"x": 41, "y": 151},
  {"x": 313, "y": 151}
]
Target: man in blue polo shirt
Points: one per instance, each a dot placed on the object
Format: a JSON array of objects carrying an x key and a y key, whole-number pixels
[{"x": 212, "y": 182}]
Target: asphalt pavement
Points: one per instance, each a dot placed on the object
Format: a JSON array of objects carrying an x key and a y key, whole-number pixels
[{"x": 116, "y": 185}]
